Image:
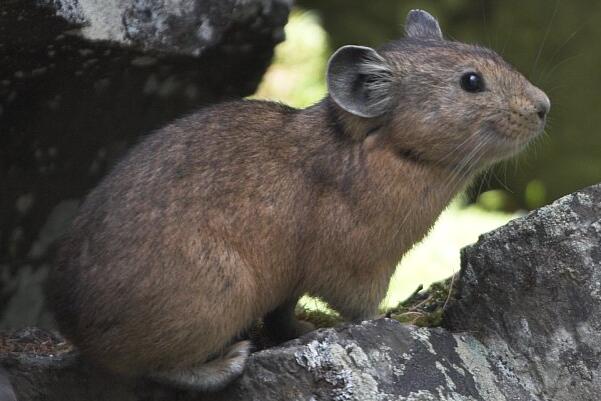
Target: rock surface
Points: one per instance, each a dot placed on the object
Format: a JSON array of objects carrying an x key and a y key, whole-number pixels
[
  {"x": 525, "y": 327},
  {"x": 182, "y": 26},
  {"x": 531, "y": 293},
  {"x": 376, "y": 360},
  {"x": 80, "y": 81}
]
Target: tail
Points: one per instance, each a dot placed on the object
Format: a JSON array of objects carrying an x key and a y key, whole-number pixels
[{"x": 211, "y": 376}]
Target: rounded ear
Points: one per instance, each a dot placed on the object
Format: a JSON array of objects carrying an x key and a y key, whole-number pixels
[
  {"x": 359, "y": 81},
  {"x": 420, "y": 24}
]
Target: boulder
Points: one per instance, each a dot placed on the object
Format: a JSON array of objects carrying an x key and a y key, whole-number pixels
[
  {"x": 375, "y": 360},
  {"x": 80, "y": 81},
  {"x": 530, "y": 292}
]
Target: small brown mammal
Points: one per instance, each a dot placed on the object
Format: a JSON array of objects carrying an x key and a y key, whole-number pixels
[{"x": 230, "y": 214}]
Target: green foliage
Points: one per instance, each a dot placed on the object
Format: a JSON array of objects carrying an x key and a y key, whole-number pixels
[
  {"x": 425, "y": 308},
  {"x": 323, "y": 317},
  {"x": 493, "y": 200},
  {"x": 535, "y": 194},
  {"x": 297, "y": 75}
]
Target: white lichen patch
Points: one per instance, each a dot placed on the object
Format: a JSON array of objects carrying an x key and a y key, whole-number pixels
[
  {"x": 472, "y": 353},
  {"x": 458, "y": 369},
  {"x": 205, "y": 31},
  {"x": 151, "y": 23},
  {"x": 424, "y": 395},
  {"x": 584, "y": 199},
  {"x": 563, "y": 358},
  {"x": 398, "y": 369},
  {"x": 347, "y": 369},
  {"x": 423, "y": 335},
  {"x": 525, "y": 327},
  {"x": 104, "y": 19},
  {"x": 450, "y": 383}
]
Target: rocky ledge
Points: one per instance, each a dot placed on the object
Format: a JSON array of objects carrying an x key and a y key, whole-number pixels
[{"x": 525, "y": 325}]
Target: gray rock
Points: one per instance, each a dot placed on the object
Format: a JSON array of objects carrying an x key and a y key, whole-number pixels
[
  {"x": 7, "y": 392},
  {"x": 80, "y": 81},
  {"x": 379, "y": 360},
  {"x": 182, "y": 26},
  {"x": 531, "y": 293}
]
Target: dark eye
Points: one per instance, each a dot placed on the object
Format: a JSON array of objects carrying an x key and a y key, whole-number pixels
[{"x": 472, "y": 82}]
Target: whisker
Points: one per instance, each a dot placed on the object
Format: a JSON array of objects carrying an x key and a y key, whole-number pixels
[
  {"x": 503, "y": 184},
  {"x": 552, "y": 58},
  {"x": 560, "y": 48},
  {"x": 449, "y": 154},
  {"x": 549, "y": 74},
  {"x": 507, "y": 41},
  {"x": 483, "y": 8},
  {"x": 465, "y": 166},
  {"x": 483, "y": 180},
  {"x": 548, "y": 30}
]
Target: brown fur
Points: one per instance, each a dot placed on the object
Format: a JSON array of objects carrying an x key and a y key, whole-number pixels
[{"x": 236, "y": 211}]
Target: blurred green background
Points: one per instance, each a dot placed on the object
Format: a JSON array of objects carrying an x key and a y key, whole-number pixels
[{"x": 556, "y": 44}]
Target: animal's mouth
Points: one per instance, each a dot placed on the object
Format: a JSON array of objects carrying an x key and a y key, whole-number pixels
[
  {"x": 520, "y": 126},
  {"x": 502, "y": 142},
  {"x": 520, "y": 138},
  {"x": 516, "y": 135}
]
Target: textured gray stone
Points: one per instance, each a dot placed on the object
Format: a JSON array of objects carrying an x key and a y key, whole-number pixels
[
  {"x": 80, "y": 81},
  {"x": 531, "y": 293},
  {"x": 182, "y": 26},
  {"x": 6, "y": 389},
  {"x": 379, "y": 360}
]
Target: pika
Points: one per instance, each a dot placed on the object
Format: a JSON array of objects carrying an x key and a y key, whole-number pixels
[{"x": 230, "y": 214}]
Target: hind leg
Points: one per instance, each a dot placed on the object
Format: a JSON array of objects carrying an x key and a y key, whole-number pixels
[
  {"x": 282, "y": 324},
  {"x": 210, "y": 376}
]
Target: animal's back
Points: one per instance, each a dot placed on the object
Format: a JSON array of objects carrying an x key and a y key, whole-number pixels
[{"x": 158, "y": 257}]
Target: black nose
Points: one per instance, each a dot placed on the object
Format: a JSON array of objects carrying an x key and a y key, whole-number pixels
[
  {"x": 542, "y": 107},
  {"x": 541, "y": 113}
]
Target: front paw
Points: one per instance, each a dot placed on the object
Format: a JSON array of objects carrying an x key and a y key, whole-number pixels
[
  {"x": 292, "y": 330},
  {"x": 301, "y": 327}
]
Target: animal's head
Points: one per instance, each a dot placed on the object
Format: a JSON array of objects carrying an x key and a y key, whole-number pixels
[{"x": 447, "y": 102}]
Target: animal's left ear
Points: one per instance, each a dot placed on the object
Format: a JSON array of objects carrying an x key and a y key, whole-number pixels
[
  {"x": 360, "y": 81},
  {"x": 421, "y": 25}
]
